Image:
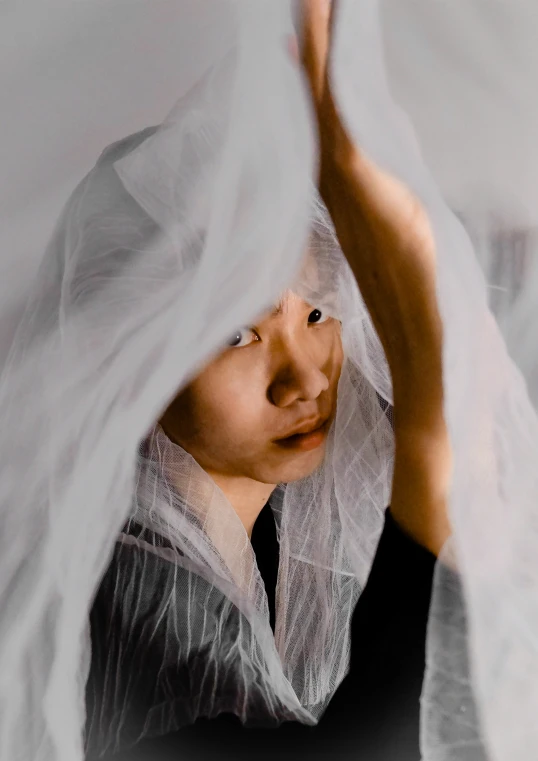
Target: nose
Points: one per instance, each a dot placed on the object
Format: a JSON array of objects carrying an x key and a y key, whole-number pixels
[{"x": 299, "y": 378}]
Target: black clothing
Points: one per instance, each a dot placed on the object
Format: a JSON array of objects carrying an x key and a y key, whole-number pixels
[{"x": 373, "y": 715}]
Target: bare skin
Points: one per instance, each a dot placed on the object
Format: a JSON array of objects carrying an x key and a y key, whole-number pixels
[
  {"x": 237, "y": 415},
  {"x": 283, "y": 374},
  {"x": 386, "y": 237}
]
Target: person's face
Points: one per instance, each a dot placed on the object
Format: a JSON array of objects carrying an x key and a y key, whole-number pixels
[{"x": 262, "y": 409}]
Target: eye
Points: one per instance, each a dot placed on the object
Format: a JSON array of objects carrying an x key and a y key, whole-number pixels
[
  {"x": 243, "y": 337},
  {"x": 316, "y": 316}
]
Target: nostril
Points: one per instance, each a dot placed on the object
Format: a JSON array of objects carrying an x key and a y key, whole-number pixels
[{"x": 299, "y": 378}]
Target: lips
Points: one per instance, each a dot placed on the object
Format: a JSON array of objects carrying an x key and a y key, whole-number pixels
[
  {"x": 307, "y": 437},
  {"x": 308, "y": 426}
]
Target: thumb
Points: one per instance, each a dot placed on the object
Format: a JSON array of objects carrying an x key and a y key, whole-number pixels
[{"x": 316, "y": 43}]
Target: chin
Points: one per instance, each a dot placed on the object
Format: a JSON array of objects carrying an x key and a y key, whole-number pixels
[{"x": 294, "y": 467}]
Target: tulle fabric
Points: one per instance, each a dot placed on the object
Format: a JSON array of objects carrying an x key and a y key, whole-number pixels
[
  {"x": 325, "y": 554},
  {"x": 179, "y": 234}
]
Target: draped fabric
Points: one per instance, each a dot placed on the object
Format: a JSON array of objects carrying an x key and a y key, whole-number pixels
[{"x": 180, "y": 233}]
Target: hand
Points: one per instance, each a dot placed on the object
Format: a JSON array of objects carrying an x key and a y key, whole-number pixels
[{"x": 387, "y": 239}]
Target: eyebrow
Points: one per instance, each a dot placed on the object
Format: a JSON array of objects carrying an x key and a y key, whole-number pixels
[{"x": 279, "y": 306}]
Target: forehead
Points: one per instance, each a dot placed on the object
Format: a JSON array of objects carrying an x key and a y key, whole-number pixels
[
  {"x": 287, "y": 302},
  {"x": 317, "y": 280}
]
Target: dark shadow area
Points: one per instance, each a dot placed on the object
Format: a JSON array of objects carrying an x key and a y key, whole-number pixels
[{"x": 374, "y": 714}]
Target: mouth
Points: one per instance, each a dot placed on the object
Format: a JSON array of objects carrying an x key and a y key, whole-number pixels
[{"x": 309, "y": 436}]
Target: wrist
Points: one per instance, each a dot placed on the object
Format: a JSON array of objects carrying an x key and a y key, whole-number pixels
[{"x": 339, "y": 155}]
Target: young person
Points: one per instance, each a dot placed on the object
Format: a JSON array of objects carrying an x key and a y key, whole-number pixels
[{"x": 250, "y": 447}]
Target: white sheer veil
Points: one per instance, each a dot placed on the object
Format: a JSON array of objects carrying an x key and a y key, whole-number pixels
[{"x": 183, "y": 232}]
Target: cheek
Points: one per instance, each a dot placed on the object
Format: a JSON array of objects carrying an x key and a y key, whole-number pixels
[
  {"x": 231, "y": 410},
  {"x": 336, "y": 360},
  {"x": 339, "y": 362}
]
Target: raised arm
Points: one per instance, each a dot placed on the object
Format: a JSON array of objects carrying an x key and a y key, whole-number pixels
[{"x": 386, "y": 237}]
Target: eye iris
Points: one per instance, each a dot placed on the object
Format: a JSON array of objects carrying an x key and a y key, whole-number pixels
[
  {"x": 235, "y": 340},
  {"x": 315, "y": 316},
  {"x": 243, "y": 337}
]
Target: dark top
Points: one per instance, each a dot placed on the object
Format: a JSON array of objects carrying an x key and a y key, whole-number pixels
[{"x": 373, "y": 715}]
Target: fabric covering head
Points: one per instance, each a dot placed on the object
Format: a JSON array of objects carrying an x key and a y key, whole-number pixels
[
  {"x": 180, "y": 506},
  {"x": 179, "y": 235}
]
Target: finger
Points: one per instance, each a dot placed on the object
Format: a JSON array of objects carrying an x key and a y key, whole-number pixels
[
  {"x": 316, "y": 23},
  {"x": 320, "y": 9},
  {"x": 315, "y": 51}
]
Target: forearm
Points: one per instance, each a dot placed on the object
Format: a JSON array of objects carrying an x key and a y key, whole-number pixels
[
  {"x": 388, "y": 260},
  {"x": 395, "y": 269}
]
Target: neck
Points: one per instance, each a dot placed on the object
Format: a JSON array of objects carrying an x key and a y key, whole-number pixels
[{"x": 247, "y": 497}]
